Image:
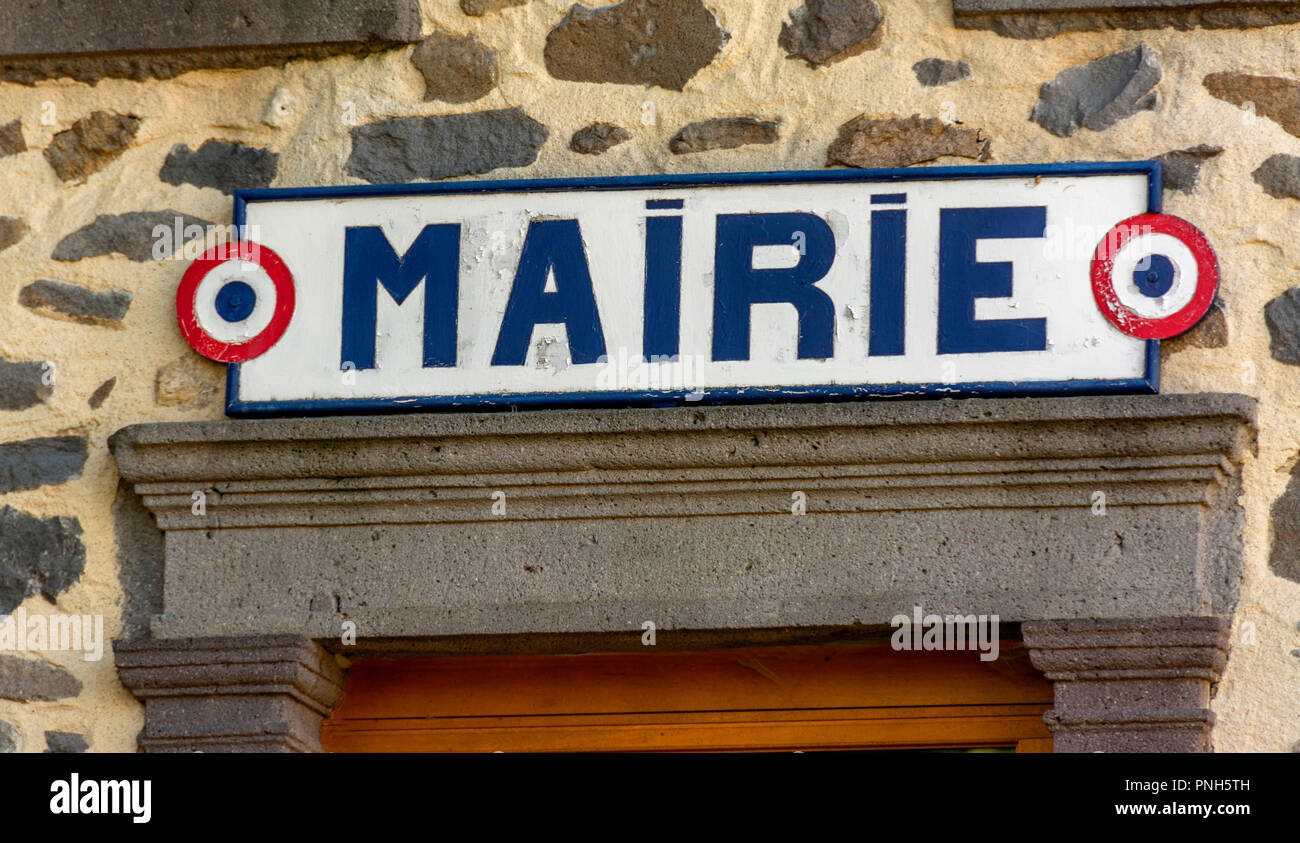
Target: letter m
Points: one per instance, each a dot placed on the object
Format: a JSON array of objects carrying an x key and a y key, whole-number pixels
[
  {"x": 114, "y": 793},
  {"x": 65, "y": 632},
  {"x": 369, "y": 263},
  {"x": 962, "y": 629}
]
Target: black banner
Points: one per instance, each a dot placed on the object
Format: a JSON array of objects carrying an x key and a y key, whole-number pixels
[{"x": 631, "y": 794}]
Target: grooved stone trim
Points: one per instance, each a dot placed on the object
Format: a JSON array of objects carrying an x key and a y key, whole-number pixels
[
  {"x": 1130, "y": 684},
  {"x": 139, "y": 39},
  {"x": 261, "y": 693},
  {"x": 684, "y": 515},
  {"x": 1044, "y": 18}
]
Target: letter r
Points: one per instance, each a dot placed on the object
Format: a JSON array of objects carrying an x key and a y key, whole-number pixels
[{"x": 737, "y": 286}]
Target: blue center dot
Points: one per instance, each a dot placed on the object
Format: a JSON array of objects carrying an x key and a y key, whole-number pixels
[
  {"x": 235, "y": 301},
  {"x": 1155, "y": 279}
]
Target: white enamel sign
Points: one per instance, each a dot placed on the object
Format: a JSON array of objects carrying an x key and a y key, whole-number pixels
[{"x": 679, "y": 289}]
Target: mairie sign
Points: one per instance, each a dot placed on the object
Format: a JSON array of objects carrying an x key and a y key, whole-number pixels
[{"x": 678, "y": 289}]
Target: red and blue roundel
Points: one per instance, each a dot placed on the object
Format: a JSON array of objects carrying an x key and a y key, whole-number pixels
[
  {"x": 235, "y": 301},
  {"x": 1154, "y": 276}
]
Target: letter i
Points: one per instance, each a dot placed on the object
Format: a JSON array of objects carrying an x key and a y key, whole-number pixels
[
  {"x": 663, "y": 287},
  {"x": 888, "y": 267}
]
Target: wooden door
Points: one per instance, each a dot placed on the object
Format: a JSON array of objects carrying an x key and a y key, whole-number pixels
[{"x": 848, "y": 696}]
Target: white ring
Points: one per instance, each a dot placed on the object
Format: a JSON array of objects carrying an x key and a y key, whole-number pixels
[
  {"x": 1138, "y": 249},
  {"x": 205, "y": 301}
]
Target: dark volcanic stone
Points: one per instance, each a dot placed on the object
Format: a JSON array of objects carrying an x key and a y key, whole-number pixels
[
  {"x": 1274, "y": 97},
  {"x": 130, "y": 234},
  {"x": 22, "y": 384},
  {"x": 1284, "y": 556},
  {"x": 1182, "y": 167},
  {"x": 1210, "y": 332},
  {"x": 1279, "y": 175},
  {"x": 1099, "y": 94},
  {"x": 66, "y": 742},
  {"x": 1282, "y": 316},
  {"x": 822, "y": 32},
  {"x": 30, "y": 463},
  {"x": 44, "y": 554},
  {"x": 12, "y": 229},
  {"x": 76, "y": 303},
  {"x": 100, "y": 395},
  {"x": 456, "y": 68},
  {"x": 225, "y": 165},
  {"x": 32, "y": 680},
  {"x": 403, "y": 149},
  {"x": 11, "y": 138},
  {"x": 867, "y": 141},
  {"x": 598, "y": 138},
  {"x": 91, "y": 144},
  {"x": 636, "y": 42},
  {"x": 722, "y": 133},
  {"x": 934, "y": 72}
]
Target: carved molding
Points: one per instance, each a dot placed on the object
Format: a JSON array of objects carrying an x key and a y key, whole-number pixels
[
  {"x": 685, "y": 516},
  {"x": 250, "y": 694},
  {"x": 1130, "y": 685}
]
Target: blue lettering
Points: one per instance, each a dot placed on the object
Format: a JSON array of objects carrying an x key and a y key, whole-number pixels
[
  {"x": 551, "y": 247},
  {"x": 737, "y": 285},
  {"x": 962, "y": 279},
  {"x": 888, "y": 265},
  {"x": 663, "y": 287},
  {"x": 369, "y": 261}
]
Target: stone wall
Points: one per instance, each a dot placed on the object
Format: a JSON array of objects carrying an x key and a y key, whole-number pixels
[{"x": 97, "y": 151}]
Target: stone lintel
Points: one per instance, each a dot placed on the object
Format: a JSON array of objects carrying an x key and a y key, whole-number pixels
[
  {"x": 691, "y": 517},
  {"x": 1044, "y": 18},
  {"x": 140, "y": 39}
]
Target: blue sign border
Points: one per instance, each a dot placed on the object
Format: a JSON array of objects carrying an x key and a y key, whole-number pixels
[{"x": 1148, "y": 383}]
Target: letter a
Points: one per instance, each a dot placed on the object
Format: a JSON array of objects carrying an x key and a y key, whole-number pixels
[{"x": 551, "y": 246}]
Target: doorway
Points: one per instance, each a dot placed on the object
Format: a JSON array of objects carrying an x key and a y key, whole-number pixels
[{"x": 827, "y": 697}]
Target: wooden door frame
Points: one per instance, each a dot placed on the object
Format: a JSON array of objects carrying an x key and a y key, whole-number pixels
[{"x": 839, "y": 696}]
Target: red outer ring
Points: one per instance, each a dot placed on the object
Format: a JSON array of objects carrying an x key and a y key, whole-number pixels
[
  {"x": 1103, "y": 280},
  {"x": 224, "y": 352}
]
